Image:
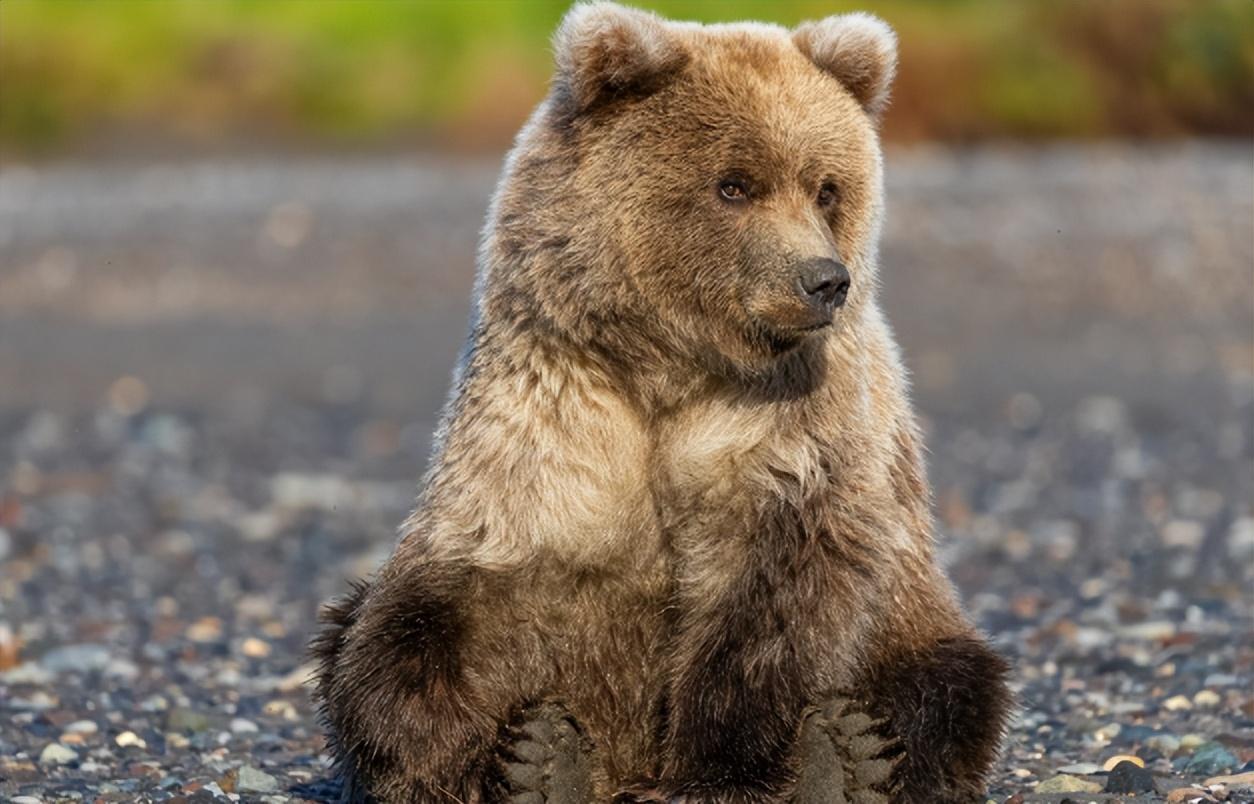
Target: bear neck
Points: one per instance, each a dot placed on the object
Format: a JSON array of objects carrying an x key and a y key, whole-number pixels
[{"x": 518, "y": 338}]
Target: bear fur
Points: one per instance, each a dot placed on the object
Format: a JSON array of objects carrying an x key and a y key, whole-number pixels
[{"x": 677, "y": 494}]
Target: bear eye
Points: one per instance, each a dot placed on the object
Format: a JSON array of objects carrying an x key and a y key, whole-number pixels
[
  {"x": 733, "y": 190},
  {"x": 827, "y": 195}
]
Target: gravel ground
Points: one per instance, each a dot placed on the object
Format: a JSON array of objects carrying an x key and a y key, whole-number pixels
[{"x": 218, "y": 381}]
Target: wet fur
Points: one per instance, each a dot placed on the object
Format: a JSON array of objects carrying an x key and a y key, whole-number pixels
[{"x": 653, "y": 502}]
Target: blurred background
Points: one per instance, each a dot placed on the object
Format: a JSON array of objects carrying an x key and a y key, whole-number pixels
[
  {"x": 188, "y": 75},
  {"x": 236, "y": 251}
]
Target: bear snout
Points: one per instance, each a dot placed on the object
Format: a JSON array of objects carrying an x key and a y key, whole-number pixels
[{"x": 823, "y": 285}]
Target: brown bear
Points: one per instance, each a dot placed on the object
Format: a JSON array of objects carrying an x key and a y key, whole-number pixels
[{"x": 675, "y": 544}]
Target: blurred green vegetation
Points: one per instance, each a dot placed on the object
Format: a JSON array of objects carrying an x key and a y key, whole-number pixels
[{"x": 83, "y": 74}]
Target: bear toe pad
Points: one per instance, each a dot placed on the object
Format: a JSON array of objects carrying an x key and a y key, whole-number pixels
[{"x": 545, "y": 759}]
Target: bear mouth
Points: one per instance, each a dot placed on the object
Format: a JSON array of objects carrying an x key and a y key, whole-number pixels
[{"x": 783, "y": 340}]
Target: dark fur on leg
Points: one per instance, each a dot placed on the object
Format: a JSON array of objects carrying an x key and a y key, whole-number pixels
[
  {"x": 402, "y": 725},
  {"x": 747, "y": 670},
  {"x": 948, "y": 706}
]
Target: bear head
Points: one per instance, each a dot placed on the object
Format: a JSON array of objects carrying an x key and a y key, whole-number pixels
[{"x": 701, "y": 191}]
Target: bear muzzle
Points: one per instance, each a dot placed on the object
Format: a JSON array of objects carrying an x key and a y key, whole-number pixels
[{"x": 823, "y": 284}]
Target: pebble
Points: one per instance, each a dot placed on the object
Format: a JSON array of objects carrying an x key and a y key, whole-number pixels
[
  {"x": 204, "y": 630},
  {"x": 38, "y": 700},
  {"x": 184, "y": 719},
  {"x": 1068, "y": 784},
  {"x": 1152, "y": 631},
  {"x": 1107, "y": 733},
  {"x": 280, "y": 708},
  {"x": 31, "y": 673},
  {"x": 57, "y": 754},
  {"x": 1165, "y": 744},
  {"x": 252, "y": 780},
  {"x": 128, "y": 739},
  {"x": 1191, "y": 742},
  {"x": 1237, "y": 781},
  {"x": 1081, "y": 769},
  {"x": 76, "y": 658},
  {"x": 26, "y": 800},
  {"x": 1115, "y": 760},
  {"x": 255, "y": 648},
  {"x": 1210, "y": 759},
  {"x": 1129, "y": 777},
  {"x": 1177, "y": 703},
  {"x": 244, "y": 726},
  {"x": 1206, "y": 698},
  {"x": 82, "y": 727}
]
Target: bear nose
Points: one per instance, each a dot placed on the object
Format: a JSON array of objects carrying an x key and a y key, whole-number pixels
[{"x": 824, "y": 283}]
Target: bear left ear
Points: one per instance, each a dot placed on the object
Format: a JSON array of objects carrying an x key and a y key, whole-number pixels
[
  {"x": 605, "y": 50},
  {"x": 860, "y": 50}
]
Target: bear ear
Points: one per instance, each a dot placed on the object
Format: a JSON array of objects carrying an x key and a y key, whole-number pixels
[
  {"x": 604, "y": 50},
  {"x": 860, "y": 50}
]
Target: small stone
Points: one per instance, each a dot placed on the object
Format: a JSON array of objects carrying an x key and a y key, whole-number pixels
[
  {"x": 1063, "y": 783},
  {"x": 184, "y": 719},
  {"x": 1243, "y": 782},
  {"x": 1165, "y": 744},
  {"x": 206, "y": 629},
  {"x": 252, "y": 780},
  {"x": 76, "y": 659},
  {"x": 82, "y": 727},
  {"x": 154, "y": 703},
  {"x": 38, "y": 700},
  {"x": 57, "y": 754},
  {"x": 1115, "y": 760},
  {"x": 1177, "y": 703},
  {"x": 255, "y": 648},
  {"x": 1107, "y": 733},
  {"x": 244, "y": 726},
  {"x": 1188, "y": 795},
  {"x": 1129, "y": 777},
  {"x": 1210, "y": 759},
  {"x": 1081, "y": 769},
  {"x": 26, "y": 800},
  {"x": 298, "y": 679},
  {"x": 27, "y": 673},
  {"x": 280, "y": 708},
  {"x": 128, "y": 739},
  {"x": 1151, "y": 631},
  {"x": 1137, "y": 733},
  {"x": 1191, "y": 742},
  {"x": 1207, "y": 698}
]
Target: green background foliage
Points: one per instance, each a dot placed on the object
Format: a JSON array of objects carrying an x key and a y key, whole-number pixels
[{"x": 83, "y": 74}]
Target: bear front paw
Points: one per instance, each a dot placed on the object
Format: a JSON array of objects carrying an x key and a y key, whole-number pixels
[
  {"x": 546, "y": 759},
  {"x": 842, "y": 758}
]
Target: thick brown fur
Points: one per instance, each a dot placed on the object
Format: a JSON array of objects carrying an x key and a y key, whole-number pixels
[{"x": 663, "y": 497}]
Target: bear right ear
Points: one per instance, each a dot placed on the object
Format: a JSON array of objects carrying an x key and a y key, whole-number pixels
[
  {"x": 858, "y": 49},
  {"x": 605, "y": 50}
]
